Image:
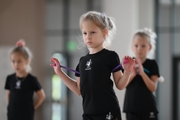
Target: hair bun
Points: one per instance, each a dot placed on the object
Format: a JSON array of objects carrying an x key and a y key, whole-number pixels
[
  {"x": 20, "y": 43},
  {"x": 150, "y": 33}
]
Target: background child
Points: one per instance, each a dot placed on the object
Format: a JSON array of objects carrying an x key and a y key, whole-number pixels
[
  {"x": 140, "y": 103},
  {"x": 94, "y": 83},
  {"x": 21, "y": 85}
]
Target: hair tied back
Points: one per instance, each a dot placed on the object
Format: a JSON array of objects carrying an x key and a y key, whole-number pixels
[
  {"x": 20, "y": 43},
  {"x": 149, "y": 32}
]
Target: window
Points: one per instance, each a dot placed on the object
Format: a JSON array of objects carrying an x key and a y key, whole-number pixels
[
  {"x": 59, "y": 93},
  {"x": 168, "y": 31}
]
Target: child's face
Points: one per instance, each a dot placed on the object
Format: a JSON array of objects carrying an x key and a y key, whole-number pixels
[
  {"x": 140, "y": 46},
  {"x": 93, "y": 36},
  {"x": 19, "y": 63}
]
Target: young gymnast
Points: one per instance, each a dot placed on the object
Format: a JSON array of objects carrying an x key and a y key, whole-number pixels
[
  {"x": 94, "y": 70},
  {"x": 21, "y": 86},
  {"x": 140, "y": 103}
]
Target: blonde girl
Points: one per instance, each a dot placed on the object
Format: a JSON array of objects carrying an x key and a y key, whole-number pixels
[
  {"x": 21, "y": 85},
  {"x": 140, "y": 103},
  {"x": 93, "y": 80}
]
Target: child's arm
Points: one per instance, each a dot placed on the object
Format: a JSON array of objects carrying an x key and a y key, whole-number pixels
[
  {"x": 121, "y": 80},
  {"x": 8, "y": 95},
  {"x": 41, "y": 98},
  {"x": 133, "y": 74},
  {"x": 151, "y": 83},
  {"x": 69, "y": 82}
]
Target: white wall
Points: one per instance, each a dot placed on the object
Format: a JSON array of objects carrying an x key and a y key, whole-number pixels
[{"x": 5, "y": 70}]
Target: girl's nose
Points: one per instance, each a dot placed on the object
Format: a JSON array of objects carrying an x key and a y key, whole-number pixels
[
  {"x": 15, "y": 64},
  {"x": 139, "y": 48},
  {"x": 88, "y": 36}
]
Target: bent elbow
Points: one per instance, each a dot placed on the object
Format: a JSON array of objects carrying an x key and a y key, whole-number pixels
[
  {"x": 153, "y": 89},
  {"x": 79, "y": 94},
  {"x": 44, "y": 97},
  {"x": 120, "y": 87}
]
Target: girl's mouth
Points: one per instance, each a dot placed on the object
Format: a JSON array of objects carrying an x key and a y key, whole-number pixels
[{"x": 89, "y": 42}]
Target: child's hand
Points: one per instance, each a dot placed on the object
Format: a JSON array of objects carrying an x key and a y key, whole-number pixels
[
  {"x": 133, "y": 73},
  {"x": 140, "y": 67},
  {"x": 56, "y": 65},
  {"x": 128, "y": 63}
]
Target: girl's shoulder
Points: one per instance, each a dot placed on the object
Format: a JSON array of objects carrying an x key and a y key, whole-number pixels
[
  {"x": 14, "y": 74},
  {"x": 109, "y": 52},
  {"x": 11, "y": 75},
  {"x": 112, "y": 53},
  {"x": 150, "y": 61},
  {"x": 31, "y": 76}
]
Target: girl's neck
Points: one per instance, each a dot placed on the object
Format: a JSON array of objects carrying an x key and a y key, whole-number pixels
[
  {"x": 95, "y": 50},
  {"x": 21, "y": 74}
]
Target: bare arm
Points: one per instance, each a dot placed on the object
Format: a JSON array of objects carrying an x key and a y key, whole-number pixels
[
  {"x": 122, "y": 80},
  {"x": 69, "y": 82},
  {"x": 8, "y": 95},
  {"x": 133, "y": 74},
  {"x": 41, "y": 98},
  {"x": 151, "y": 83}
]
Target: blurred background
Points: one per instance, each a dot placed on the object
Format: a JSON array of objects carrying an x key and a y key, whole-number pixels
[{"x": 51, "y": 28}]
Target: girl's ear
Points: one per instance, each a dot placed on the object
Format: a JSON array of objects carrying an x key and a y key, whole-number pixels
[
  {"x": 27, "y": 61},
  {"x": 105, "y": 32},
  {"x": 150, "y": 47}
]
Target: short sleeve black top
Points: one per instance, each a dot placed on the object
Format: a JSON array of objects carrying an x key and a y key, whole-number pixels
[
  {"x": 96, "y": 85},
  {"x": 21, "y": 93},
  {"x": 138, "y": 98}
]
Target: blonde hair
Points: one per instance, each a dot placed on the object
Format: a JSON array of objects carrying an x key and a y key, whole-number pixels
[
  {"x": 151, "y": 36},
  {"x": 103, "y": 22},
  {"x": 24, "y": 51}
]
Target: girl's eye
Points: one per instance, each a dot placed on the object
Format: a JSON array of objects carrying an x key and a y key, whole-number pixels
[
  {"x": 143, "y": 46},
  {"x": 84, "y": 33},
  {"x": 136, "y": 46},
  {"x": 92, "y": 32},
  {"x": 19, "y": 61}
]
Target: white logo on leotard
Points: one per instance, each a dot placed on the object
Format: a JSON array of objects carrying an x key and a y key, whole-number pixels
[
  {"x": 88, "y": 65},
  {"x": 18, "y": 84},
  {"x": 151, "y": 115},
  {"x": 109, "y": 116}
]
